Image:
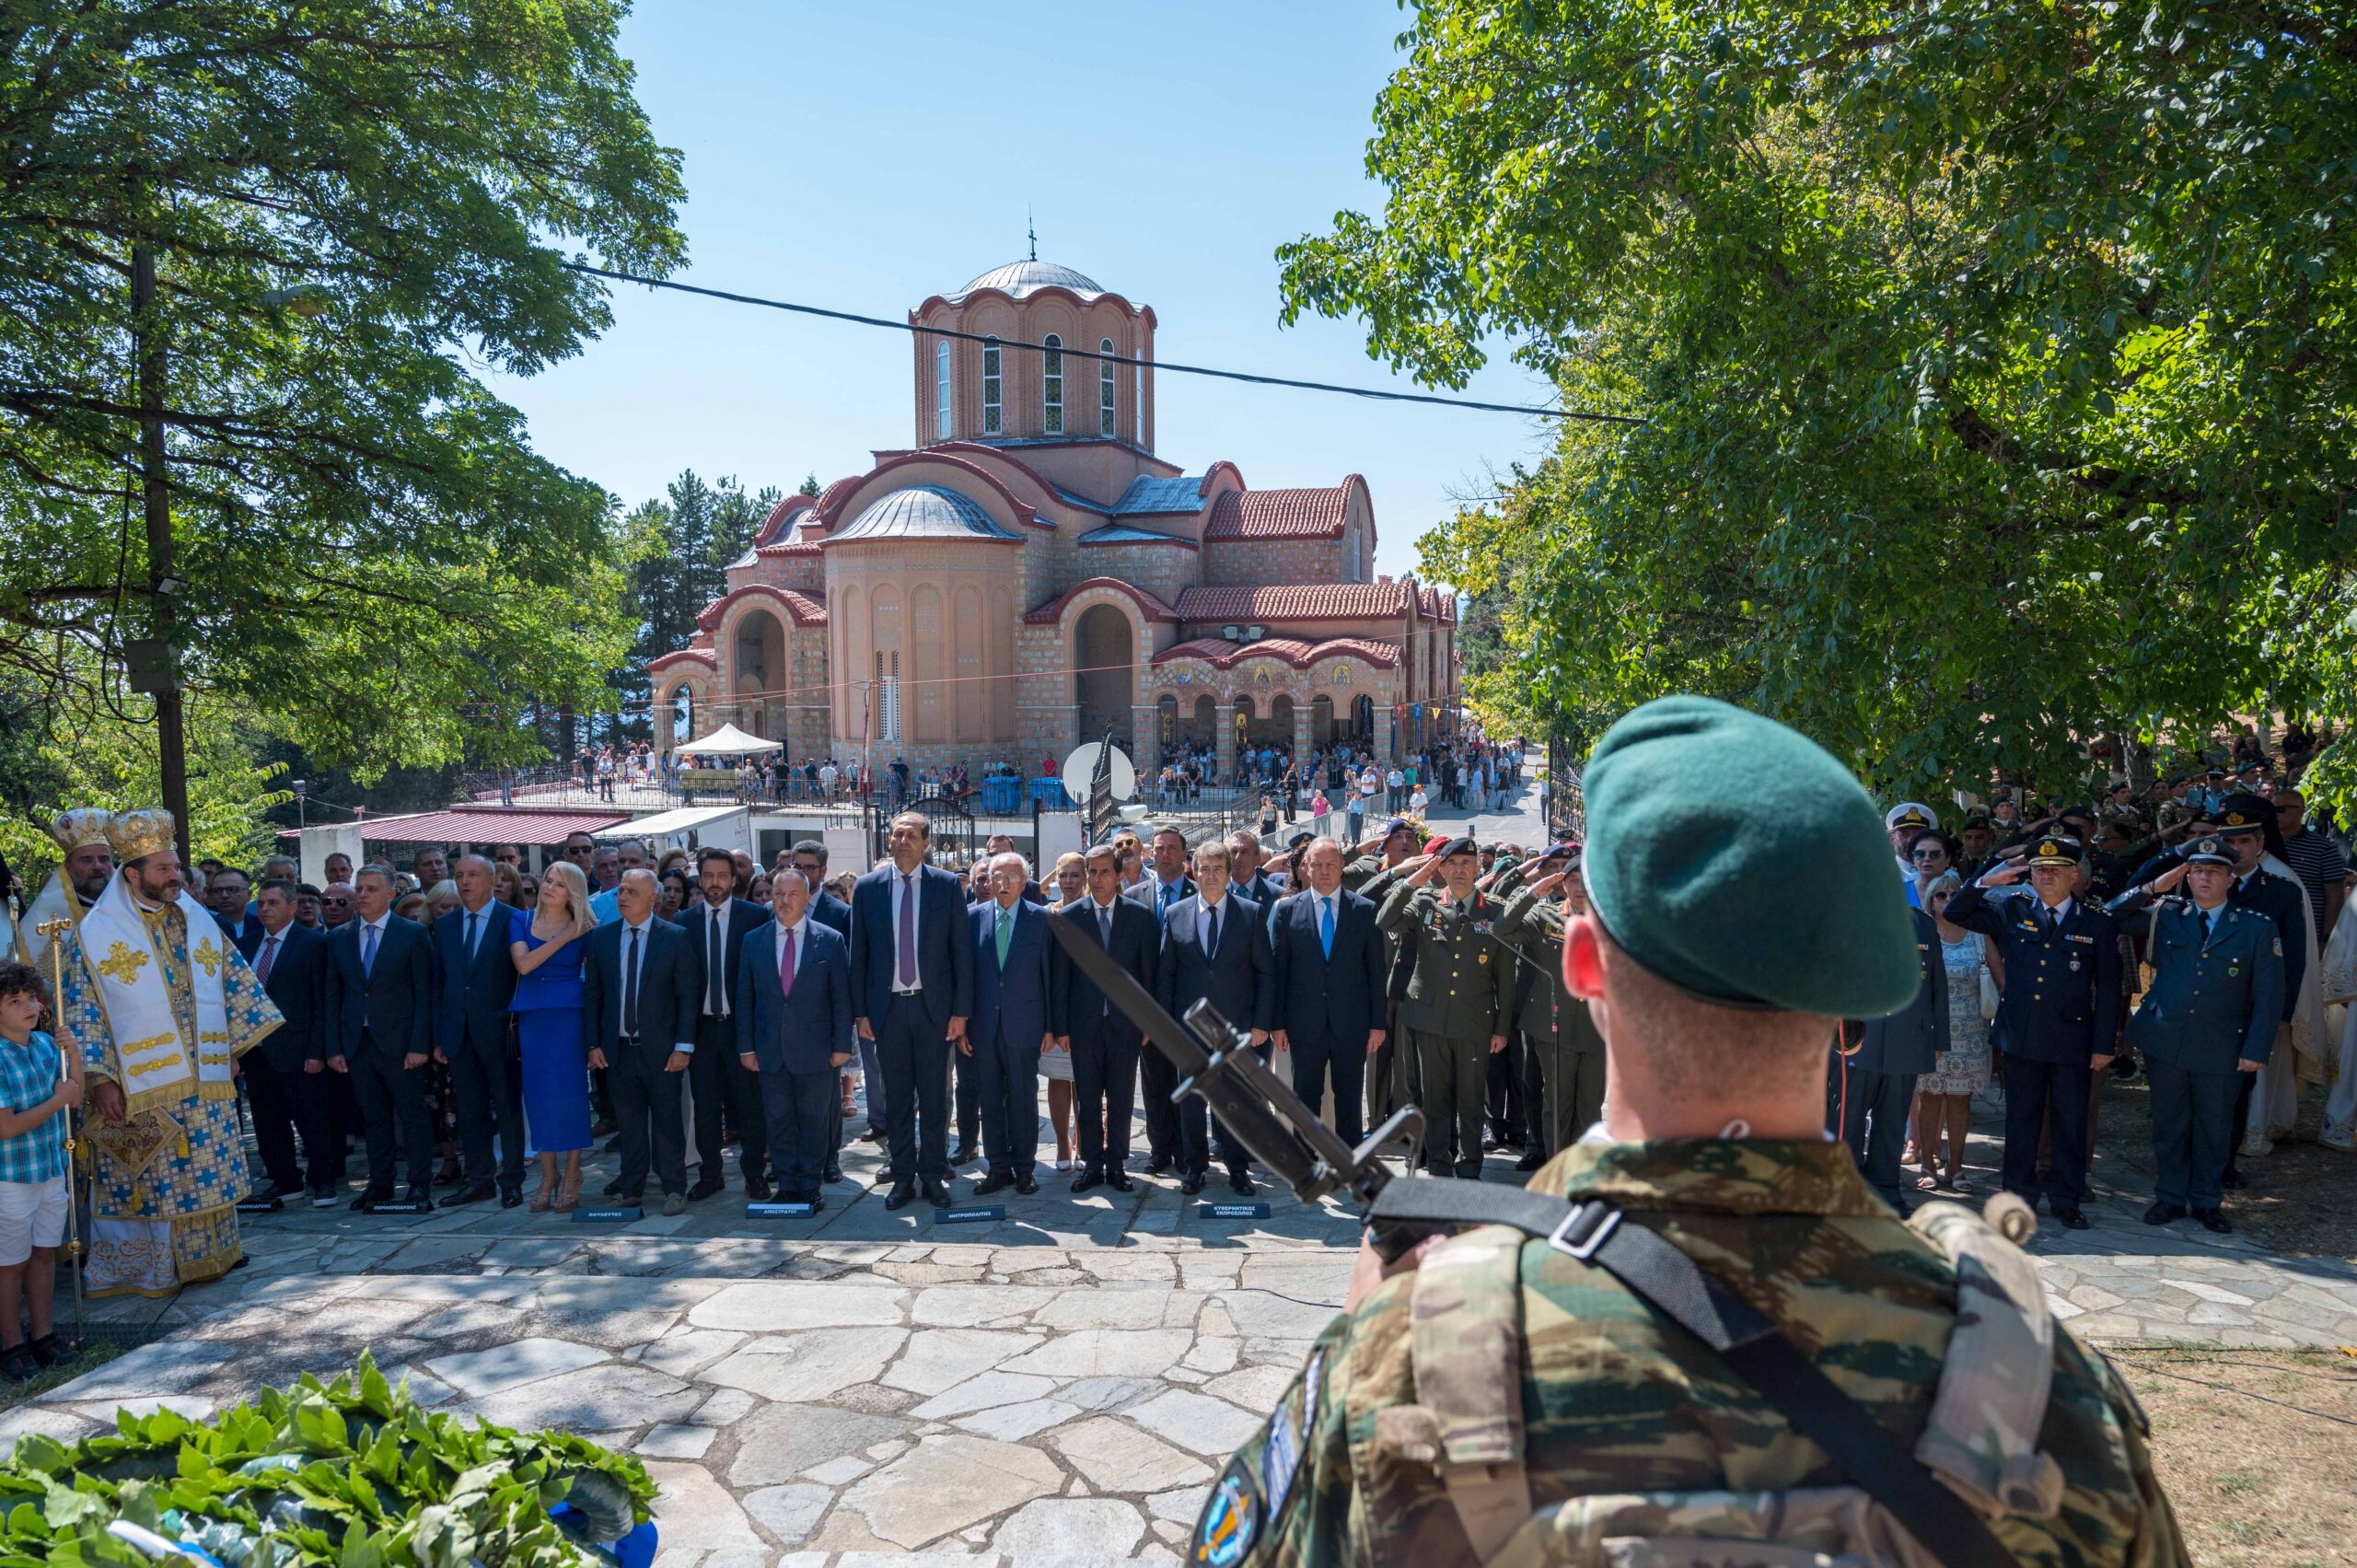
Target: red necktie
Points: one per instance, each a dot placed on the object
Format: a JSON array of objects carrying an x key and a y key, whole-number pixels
[{"x": 785, "y": 965}]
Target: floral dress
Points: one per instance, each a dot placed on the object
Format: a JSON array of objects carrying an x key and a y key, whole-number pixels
[{"x": 1964, "y": 1066}]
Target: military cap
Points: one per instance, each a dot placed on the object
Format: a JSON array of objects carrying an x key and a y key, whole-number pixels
[
  {"x": 2211, "y": 851},
  {"x": 2054, "y": 849},
  {"x": 2214, "y": 774},
  {"x": 1395, "y": 825},
  {"x": 1976, "y": 820},
  {"x": 1462, "y": 845},
  {"x": 2177, "y": 779},
  {"x": 1910, "y": 813},
  {"x": 1298, "y": 840},
  {"x": 1694, "y": 880},
  {"x": 1568, "y": 850},
  {"x": 1432, "y": 845},
  {"x": 2243, "y": 814}
]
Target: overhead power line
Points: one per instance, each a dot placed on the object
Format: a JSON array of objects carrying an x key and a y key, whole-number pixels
[{"x": 1376, "y": 394}]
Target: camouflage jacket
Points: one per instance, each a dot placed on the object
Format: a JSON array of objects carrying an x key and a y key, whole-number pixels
[
  {"x": 1552, "y": 1014},
  {"x": 1615, "y": 1402}
]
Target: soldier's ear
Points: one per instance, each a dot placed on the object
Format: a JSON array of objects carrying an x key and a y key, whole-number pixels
[{"x": 1583, "y": 958}]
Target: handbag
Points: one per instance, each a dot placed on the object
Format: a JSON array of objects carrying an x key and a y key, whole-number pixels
[{"x": 1989, "y": 997}]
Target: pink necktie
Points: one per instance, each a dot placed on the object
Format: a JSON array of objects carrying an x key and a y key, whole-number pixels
[{"x": 785, "y": 965}]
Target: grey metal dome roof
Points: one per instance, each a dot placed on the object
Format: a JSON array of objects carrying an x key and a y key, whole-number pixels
[
  {"x": 1022, "y": 279},
  {"x": 920, "y": 511}
]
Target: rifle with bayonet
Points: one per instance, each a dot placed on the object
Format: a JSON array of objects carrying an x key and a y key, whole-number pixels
[{"x": 1217, "y": 1061}]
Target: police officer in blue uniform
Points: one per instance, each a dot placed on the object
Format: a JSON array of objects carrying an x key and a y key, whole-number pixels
[
  {"x": 2058, "y": 1018},
  {"x": 2206, "y": 1025}
]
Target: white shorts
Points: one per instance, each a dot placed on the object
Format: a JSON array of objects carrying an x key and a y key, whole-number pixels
[{"x": 32, "y": 1213}]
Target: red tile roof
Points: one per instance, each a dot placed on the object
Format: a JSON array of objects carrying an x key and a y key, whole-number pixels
[
  {"x": 804, "y": 610},
  {"x": 694, "y": 655},
  {"x": 1052, "y": 611},
  {"x": 1300, "y": 601},
  {"x": 1278, "y": 514},
  {"x": 1224, "y": 655}
]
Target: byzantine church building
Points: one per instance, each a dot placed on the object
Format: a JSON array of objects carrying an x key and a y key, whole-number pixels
[{"x": 1030, "y": 573}]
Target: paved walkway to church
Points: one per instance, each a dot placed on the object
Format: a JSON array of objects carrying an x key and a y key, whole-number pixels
[{"x": 1055, "y": 1387}]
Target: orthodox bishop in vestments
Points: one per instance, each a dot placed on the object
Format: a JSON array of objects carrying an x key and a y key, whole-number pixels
[
  {"x": 78, "y": 831},
  {"x": 161, "y": 1006}
]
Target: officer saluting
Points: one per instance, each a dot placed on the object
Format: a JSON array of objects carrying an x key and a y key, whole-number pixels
[
  {"x": 1519, "y": 1395},
  {"x": 2059, "y": 1017},
  {"x": 1562, "y": 1034},
  {"x": 2207, "y": 1024},
  {"x": 1460, "y": 994}
]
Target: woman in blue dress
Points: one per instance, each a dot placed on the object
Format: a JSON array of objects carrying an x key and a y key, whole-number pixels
[{"x": 547, "y": 948}]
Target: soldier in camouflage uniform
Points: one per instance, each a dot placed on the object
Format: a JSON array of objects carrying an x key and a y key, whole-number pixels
[
  {"x": 1605, "y": 1419},
  {"x": 1461, "y": 995},
  {"x": 1562, "y": 1032}
]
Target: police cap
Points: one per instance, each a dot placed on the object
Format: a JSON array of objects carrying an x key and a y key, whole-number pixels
[
  {"x": 1694, "y": 880},
  {"x": 2212, "y": 851},
  {"x": 2243, "y": 814}
]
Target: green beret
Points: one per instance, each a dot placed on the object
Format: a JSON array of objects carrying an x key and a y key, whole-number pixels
[{"x": 1736, "y": 860}]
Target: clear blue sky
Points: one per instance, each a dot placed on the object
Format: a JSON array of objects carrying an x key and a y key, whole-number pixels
[{"x": 865, "y": 156}]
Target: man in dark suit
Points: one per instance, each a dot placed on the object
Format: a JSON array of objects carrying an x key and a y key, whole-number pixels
[
  {"x": 224, "y": 895},
  {"x": 811, "y": 859},
  {"x": 474, "y": 981},
  {"x": 1104, "y": 1043},
  {"x": 1870, "y": 1089},
  {"x": 1247, "y": 856},
  {"x": 1327, "y": 967},
  {"x": 641, "y": 985},
  {"x": 1165, "y": 885},
  {"x": 2058, "y": 1019},
  {"x": 283, "y": 1079},
  {"x": 716, "y": 928},
  {"x": 380, "y": 995},
  {"x": 912, "y": 984},
  {"x": 1215, "y": 949},
  {"x": 1010, "y": 1025},
  {"x": 794, "y": 1011}
]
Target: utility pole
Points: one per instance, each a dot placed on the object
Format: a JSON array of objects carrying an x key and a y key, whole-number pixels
[{"x": 161, "y": 680}]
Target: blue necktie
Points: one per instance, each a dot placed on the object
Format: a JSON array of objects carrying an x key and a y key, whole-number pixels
[
  {"x": 367, "y": 950},
  {"x": 1326, "y": 924}
]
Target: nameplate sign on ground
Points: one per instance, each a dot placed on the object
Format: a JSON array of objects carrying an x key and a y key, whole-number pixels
[
  {"x": 400, "y": 1206},
  {"x": 262, "y": 1205},
  {"x": 973, "y": 1213},
  {"x": 1235, "y": 1211},
  {"x": 608, "y": 1216},
  {"x": 758, "y": 1211}
]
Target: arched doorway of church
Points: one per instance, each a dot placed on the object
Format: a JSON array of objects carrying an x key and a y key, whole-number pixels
[
  {"x": 1362, "y": 720},
  {"x": 1102, "y": 654},
  {"x": 1321, "y": 720},
  {"x": 760, "y": 674},
  {"x": 1202, "y": 725}
]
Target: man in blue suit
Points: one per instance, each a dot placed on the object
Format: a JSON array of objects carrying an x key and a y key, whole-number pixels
[
  {"x": 716, "y": 928},
  {"x": 285, "y": 1086},
  {"x": 794, "y": 1031},
  {"x": 2059, "y": 1016},
  {"x": 380, "y": 1002},
  {"x": 641, "y": 984},
  {"x": 1010, "y": 1025},
  {"x": 1869, "y": 1091},
  {"x": 1103, "y": 1041},
  {"x": 1215, "y": 949},
  {"x": 1327, "y": 968},
  {"x": 474, "y": 981},
  {"x": 912, "y": 986},
  {"x": 2206, "y": 1027},
  {"x": 810, "y": 857}
]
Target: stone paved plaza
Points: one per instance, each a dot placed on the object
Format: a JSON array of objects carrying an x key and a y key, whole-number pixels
[{"x": 1056, "y": 1387}]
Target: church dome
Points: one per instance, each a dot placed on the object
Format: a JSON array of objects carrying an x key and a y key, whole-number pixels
[
  {"x": 920, "y": 511},
  {"x": 1022, "y": 279}
]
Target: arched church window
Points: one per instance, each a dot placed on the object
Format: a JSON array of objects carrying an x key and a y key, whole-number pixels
[
  {"x": 941, "y": 390},
  {"x": 993, "y": 419},
  {"x": 1105, "y": 388},
  {"x": 1137, "y": 398},
  {"x": 1051, "y": 384}
]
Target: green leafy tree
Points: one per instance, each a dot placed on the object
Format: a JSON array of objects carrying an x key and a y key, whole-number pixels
[
  {"x": 684, "y": 545},
  {"x": 345, "y": 204},
  {"x": 1994, "y": 360}
]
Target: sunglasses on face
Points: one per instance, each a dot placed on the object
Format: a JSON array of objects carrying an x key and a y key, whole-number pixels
[{"x": 1930, "y": 851}]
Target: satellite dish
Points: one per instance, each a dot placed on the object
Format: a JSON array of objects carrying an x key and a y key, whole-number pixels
[{"x": 1081, "y": 766}]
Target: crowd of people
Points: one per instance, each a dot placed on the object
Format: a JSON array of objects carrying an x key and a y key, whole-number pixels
[{"x": 441, "y": 1026}]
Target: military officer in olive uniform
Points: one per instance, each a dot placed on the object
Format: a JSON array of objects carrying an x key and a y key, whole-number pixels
[
  {"x": 1560, "y": 1031},
  {"x": 1873, "y": 1085},
  {"x": 2205, "y": 1026},
  {"x": 1496, "y": 1395},
  {"x": 2058, "y": 1018},
  {"x": 1460, "y": 994}
]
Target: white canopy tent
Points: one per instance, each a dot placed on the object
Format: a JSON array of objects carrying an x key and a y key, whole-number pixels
[{"x": 729, "y": 741}]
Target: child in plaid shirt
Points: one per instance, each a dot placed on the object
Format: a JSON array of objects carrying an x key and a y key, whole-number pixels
[{"x": 37, "y": 1081}]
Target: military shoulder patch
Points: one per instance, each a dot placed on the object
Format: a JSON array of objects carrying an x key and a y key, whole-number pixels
[
  {"x": 2279, "y": 947},
  {"x": 1231, "y": 1519},
  {"x": 1290, "y": 1431}
]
